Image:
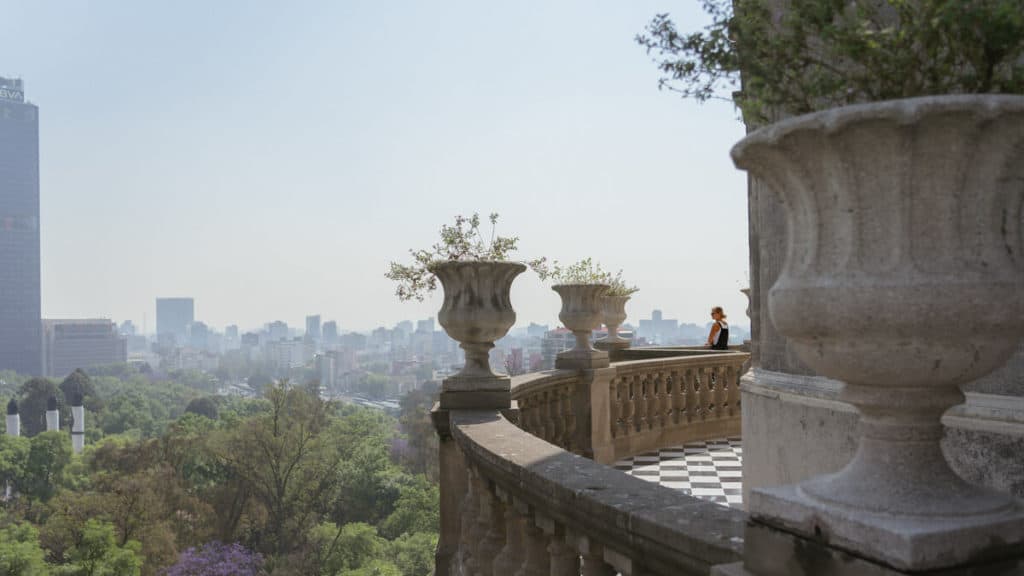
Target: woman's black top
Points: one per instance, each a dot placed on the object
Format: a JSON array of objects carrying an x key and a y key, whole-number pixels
[{"x": 722, "y": 341}]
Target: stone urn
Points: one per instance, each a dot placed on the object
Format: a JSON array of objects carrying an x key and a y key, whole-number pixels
[
  {"x": 613, "y": 312},
  {"x": 904, "y": 279},
  {"x": 477, "y": 310},
  {"x": 582, "y": 307}
]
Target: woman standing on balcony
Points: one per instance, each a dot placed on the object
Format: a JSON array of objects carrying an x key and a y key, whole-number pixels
[{"x": 718, "y": 339}]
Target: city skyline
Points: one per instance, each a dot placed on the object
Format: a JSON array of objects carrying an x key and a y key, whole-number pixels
[{"x": 244, "y": 178}]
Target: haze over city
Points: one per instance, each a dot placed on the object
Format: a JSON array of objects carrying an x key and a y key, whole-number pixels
[{"x": 270, "y": 162}]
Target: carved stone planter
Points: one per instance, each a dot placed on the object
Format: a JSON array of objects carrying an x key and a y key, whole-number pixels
[
  {"x": 477, "y": 310},
  {"x": 581, "y": 310},
  {"x": 613, "y": 311},
  {"x": 904, "y": 278}
]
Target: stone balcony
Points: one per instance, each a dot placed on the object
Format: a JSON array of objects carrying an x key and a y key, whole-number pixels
[
  {"x": 532, "y": 490},
  {"x": 529, "y": 490}
]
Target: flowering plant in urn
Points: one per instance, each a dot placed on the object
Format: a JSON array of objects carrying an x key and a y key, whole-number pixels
[
  {"x": 582, "y": 287},
  {"x": 477, "y": 277}
]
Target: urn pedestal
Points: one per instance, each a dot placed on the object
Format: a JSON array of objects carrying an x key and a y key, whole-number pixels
[
  {"x": 581, "y": 310},
  {"x": 477, "y": 310},
  {"x": 904, "y": 278}
]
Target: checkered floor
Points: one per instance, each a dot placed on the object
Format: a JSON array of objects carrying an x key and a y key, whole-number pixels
[{"x": 710, "y": 470}]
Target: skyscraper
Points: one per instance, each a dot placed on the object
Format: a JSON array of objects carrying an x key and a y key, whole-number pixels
[
  {"x": 313, "y": 327},
  {"x": 20, "y": 317},
  {"x": 173, "y": 315}
]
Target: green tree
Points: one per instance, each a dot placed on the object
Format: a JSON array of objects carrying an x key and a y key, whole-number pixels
[
  {"x": 415, "y": 511},
  {"x": 203, "y": 406},
  {"x": 49, "y": 453},
  {"x": 818, "y": 54},
  {"x": 34, "y": 395},
  {"x": 20, "y": 554},
  {"x": 97, "y": 554},
  {"x": 413, "y": 554},
  {"x": 289, "y": 465},
  {"x": 13, "y": 460},
  {"x": 349, "y": 547}
]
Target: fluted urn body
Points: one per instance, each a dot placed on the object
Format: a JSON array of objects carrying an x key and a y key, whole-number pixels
[
  {"x": 477, "y": 310},
  {"x": 582, "y": 307},
  {"x": 613, "y": 312},
  {"x": 904, "y": 278}
]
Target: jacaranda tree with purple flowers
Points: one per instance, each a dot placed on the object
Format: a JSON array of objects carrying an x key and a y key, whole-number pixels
[{"x": 216, "y": 559}]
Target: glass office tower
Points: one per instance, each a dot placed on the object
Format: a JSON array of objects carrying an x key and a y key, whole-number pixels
[{"x": 20, "y": 319}]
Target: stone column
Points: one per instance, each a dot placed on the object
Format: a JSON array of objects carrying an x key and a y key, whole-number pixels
[
  {"x": 594, "y": 415},
  {"x": 454, "y": 487}
]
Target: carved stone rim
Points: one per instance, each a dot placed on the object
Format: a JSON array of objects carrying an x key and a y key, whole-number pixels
[
  {"x": 903, "y": 111},
  {"x": 455, "y": 263}
]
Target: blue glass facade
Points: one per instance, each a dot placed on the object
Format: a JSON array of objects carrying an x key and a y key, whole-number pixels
[{"x": 20, "y": 318}]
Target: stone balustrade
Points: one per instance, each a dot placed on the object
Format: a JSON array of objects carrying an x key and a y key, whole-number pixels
[
  {"x": 673, "y": 397},
  {"x": 513, "y": 504}
]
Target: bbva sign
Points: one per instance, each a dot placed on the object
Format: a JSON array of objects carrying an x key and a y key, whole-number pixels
[{"x": 10, "y": 94}]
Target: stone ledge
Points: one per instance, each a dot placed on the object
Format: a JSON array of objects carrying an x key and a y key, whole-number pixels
[
  {"x": 666, "y": 531},
  {"x": 773, "y": 552},
  {"x": 925, "y": 542}
]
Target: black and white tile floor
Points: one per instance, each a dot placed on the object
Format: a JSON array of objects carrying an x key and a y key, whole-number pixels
[{"x": 711, "y": 470}]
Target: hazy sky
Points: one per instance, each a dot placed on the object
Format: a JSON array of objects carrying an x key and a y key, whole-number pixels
[{"x": 270, "y": 158}]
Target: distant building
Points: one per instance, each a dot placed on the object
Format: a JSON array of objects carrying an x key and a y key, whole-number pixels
[
  {"x": 173, "y": 316},
  {"x": 71, "y": 344},
  {"x": 250, "y": 340},
  {"x": 353, "y": 341},
  {"x": 199, "y": 336},
  {"x": 327, "y": 368},
  {"x": 127, "y": 328},
  {"x": 20, "y": 342},
  {"x": 514, "y": 362},
  {"x": 330, "y": 334},
  {"x": 554, "y": 342},
  {"x": 231, "y": 341},
  {"x": 277, "y": 331},
  {"x": 313, "y": 327},
  {"x": 658, "y": 330},
  {"x": 284, "y": 355},
  {"x": 425, "y": 326},
  {"x": 536, "y": 330}
]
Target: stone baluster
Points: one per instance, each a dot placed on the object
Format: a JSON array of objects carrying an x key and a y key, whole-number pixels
[
  {"x": 720, "y": 383},
  {"x": 491, "y": 524},
  {"x": 470, "y": 515},
  {"x": 548, "y": 430},
  {"x": 563, "y": 558},
  {"x": 663, "y": 400},
  {"x": 536, "y": 560},
  {"x": 733, "y": 391},
  {"x": 632, "y": 420},
  {"x": 558, "y": 427},
  {"x": 571, "y": 444},
  {"x": 622, "y": 401},
  {"x": 693, "y": 407},
  {"x": 674, "y": 400},
  {"x": 593, "y": 558},
  {"x": 704, "y": 392},
  {"x": 510, "y": 559},
  {"x": 646, "y": 407}
]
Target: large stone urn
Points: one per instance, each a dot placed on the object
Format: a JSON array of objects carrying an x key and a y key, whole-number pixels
[
  {"x": 904, "y": 278},
  {"x": 477, "y": 310},
  {"x": 581, "y": 310},
  {"x": 613, "y": 312}
]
